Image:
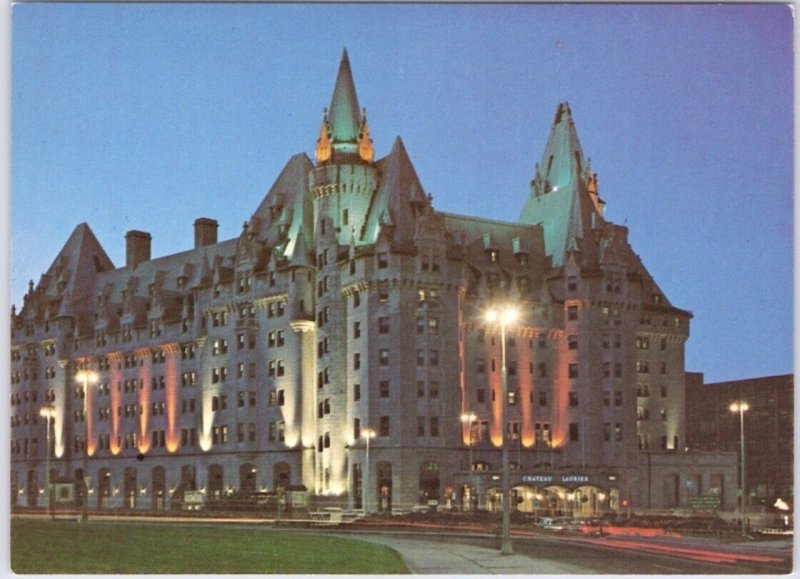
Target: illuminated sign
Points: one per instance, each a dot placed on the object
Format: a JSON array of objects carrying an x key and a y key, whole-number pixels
[{"x": 550, "y": 479}]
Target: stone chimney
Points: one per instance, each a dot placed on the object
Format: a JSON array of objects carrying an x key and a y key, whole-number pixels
[
  {"x": 137, "y": 248},
  {"x": 205, "y": 232}
]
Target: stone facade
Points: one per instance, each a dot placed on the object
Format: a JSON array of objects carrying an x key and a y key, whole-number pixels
[{"x": 349, "y": 305}]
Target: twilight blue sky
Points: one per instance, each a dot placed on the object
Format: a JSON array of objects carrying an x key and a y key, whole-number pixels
[{"x": 148, "y": 116}]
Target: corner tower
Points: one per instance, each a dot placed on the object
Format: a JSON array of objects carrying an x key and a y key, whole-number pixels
[{"x": 345, "y": 177}]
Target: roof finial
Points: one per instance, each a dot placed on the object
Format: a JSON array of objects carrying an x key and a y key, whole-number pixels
[
  {"x": 365, "y": 150},
  {"x": 323, "y": 152}
]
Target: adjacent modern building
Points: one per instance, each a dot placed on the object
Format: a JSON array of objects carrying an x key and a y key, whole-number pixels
[
  {"x": 350, "y": 307},
  {"x": 768, "y": 430}
]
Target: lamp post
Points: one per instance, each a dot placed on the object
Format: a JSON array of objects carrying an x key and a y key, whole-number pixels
[
  {"x": 468, "y": 418},
  {"x": 741, "y": 407},
  {"x": 47, "y": 412},
  {"x": 366, "y": 434},
  {"x": 86, "y": 377},
  {"x": 504, "y": 316}
]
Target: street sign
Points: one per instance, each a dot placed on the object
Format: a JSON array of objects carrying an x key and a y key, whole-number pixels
[{"x": 704, "y": 502}]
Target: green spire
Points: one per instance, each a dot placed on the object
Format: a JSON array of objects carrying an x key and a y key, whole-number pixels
[
  {"x": 563, "y": 163},
  {"x": 344, "y": 112},
  {"x": 560, "y": 199}
]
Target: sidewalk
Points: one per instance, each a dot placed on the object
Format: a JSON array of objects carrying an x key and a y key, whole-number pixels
[{"x": 432, "y": 558}]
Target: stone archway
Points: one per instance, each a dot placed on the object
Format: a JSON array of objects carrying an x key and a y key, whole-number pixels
[
  {"x": 281, "y": 476},
  {"x": 247, "y": 478},
  {"x": 159, "y": 484},
  {"x": 32, "y": 488},
  {"x": 129, "y": 488},
  {"x": 103, "y": 488},
  {"x": 215, "y": 482},
  {"x": 429, "y": 481}
]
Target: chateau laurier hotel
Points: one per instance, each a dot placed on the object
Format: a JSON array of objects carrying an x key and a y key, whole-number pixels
[{"x": 350, "y": 306}]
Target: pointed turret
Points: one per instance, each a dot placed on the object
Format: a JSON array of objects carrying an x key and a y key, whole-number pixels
[
  {"x": 344, "y": 107},
  {"x": 563, "y": 162},
  {"x": 344, "y": 136},
  {"x": 560, "y": 199},
  {"x": 323, "y": 152},
  {"x": 365, "y": 150}
]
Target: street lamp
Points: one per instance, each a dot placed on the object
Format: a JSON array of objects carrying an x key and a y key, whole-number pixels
[
  {"x": 741, "y": 407},
  {"x": 47, "y": 412},
  {"x": 366, "y": 434},
  {"x": 86, "y": 377},
  {"x": 468, "y": 418},
  {"x": 504, "y": 315}
]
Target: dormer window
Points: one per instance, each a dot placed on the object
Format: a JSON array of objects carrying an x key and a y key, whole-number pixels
[
  {"x": 181, "y": 282},
  {"x": 494, "y": 255},
  {"x": 522, "y": 258}
]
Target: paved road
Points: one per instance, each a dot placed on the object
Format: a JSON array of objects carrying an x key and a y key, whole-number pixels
[{"x": 451, "y": 553}]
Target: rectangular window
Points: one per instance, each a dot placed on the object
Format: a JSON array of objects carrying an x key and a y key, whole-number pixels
[
  {"x": 572, "y": 341},
  {"x": 434, "y": 426},
  {"x": 384, "y": 388},
  {"x": 420, "y": 426},
  {"x": 573, "y": 370},
  {"x": 356, "y": 361},
  {"x": 542, "y": 398},
  {"x": 433, "y": 357},
  {"x": 356, "y": 330},
  {"x": 572, "y": 313},
  {"x": 420, "y": 357},
  {"x": 573, "y": 398},
  {"x": 383, "y": 325},
  {"x": 383, "y": 357},
  {"x": 433, "y": 326},
  {"x": 433, "y": 390},
  {"x": 572, "y": 283},
  {"x": 617, "y": 399},
  {"x": 383, "y": 260},
  {"x": 356, "y": 428},
  {"x": 420, "y": 389},
  {"x": 383, "y": 429},
  {"x": 356, "y": 392}
]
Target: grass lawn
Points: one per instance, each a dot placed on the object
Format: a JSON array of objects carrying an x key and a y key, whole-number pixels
[{"x": 48, "y": 547}]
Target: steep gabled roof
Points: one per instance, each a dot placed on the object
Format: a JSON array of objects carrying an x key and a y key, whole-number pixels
[
  {"x": 559, "y": 198},
  {"x": 399, "y": 187},
  {"x": 75, "y": 267},
  {"x": 291, "y": 184}
]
